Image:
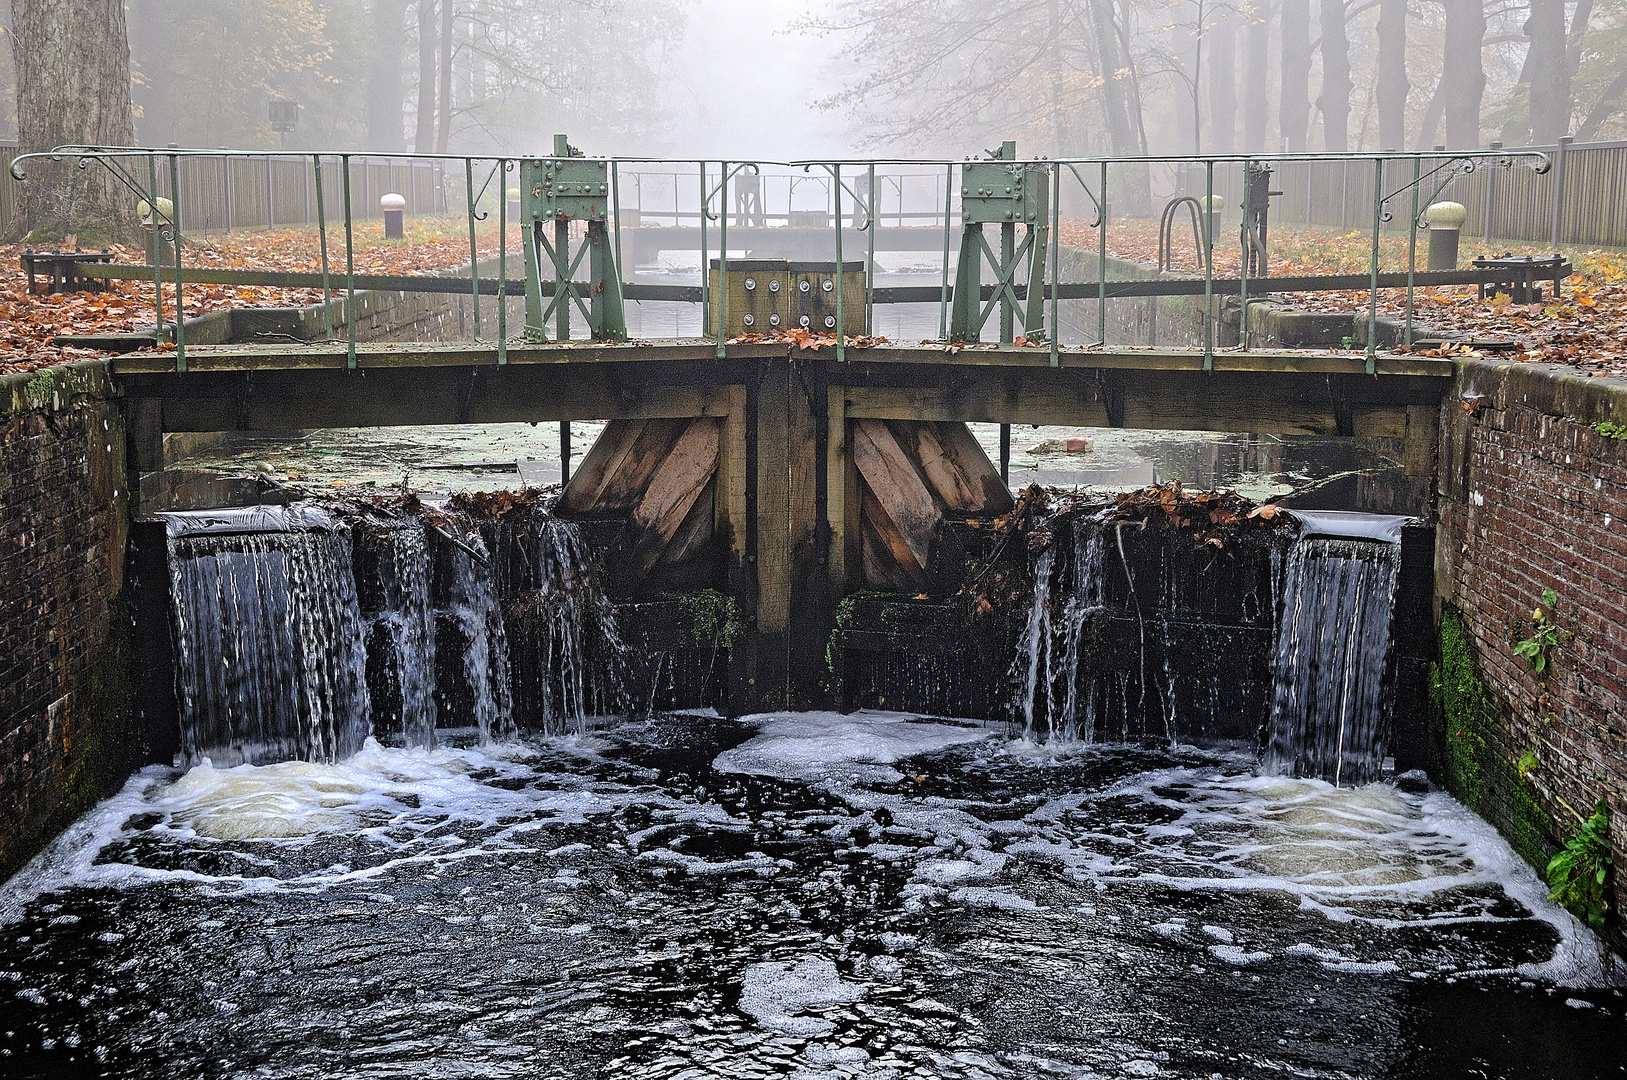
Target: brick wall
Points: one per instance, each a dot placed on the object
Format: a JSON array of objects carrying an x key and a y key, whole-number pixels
[
  {"x": 1533, "y": 497},
  {"x": 64, "y": 629}
]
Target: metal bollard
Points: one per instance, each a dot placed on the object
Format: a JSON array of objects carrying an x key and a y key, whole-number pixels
[
  {"x": 1211, "y": 212},
  {"x": 1445, "y": 221},
  {"x": 395, "y": 211}
]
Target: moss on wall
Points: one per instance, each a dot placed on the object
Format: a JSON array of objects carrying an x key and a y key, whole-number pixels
[{"x": 1473, "y": 760}]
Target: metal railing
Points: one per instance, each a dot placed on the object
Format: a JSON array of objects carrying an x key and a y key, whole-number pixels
[{"x": 474, "y": 189}]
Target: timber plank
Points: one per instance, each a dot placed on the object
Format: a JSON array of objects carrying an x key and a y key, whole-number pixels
[
  {"x": 624, "y": 489},
  {"x": 967, "y": 453},
  {"x": 886, "y": 558},
  {"x": 674, "y": 485},
  {"x": 696, "y": 532},
  {"x": 896, "y": 486},
  {"x": 603, "y": 459}
]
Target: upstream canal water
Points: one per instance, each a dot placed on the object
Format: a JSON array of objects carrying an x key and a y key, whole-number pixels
[{"x": 799, "y": 895}]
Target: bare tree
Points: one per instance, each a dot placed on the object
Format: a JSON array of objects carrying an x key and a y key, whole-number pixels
[
  {"x": 1549, "y": 77},
  {"x": 1223, "y": 84},
  {"x": 1463, "y": 74},
  {"x": 73, "y": 87},
  {"x": 1256, "y": 89},
  {"x": 1334, "y": 100},
  {"x": 1294, "y": 111},
  {"x": 1392, "y": 82},
  {"x": 424, "y": 138},
  {"x": 386, "y": 104}
]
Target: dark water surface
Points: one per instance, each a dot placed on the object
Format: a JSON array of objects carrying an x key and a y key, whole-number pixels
[{"x": 815, "y": 897}]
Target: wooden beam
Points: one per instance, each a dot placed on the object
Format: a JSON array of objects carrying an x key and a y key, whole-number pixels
[
  {"x": 374, "y": 356},
  {"x": 682, "y": 473},
  {"x": 901, "y": 494}
]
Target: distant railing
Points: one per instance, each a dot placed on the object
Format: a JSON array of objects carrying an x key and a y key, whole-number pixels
[
  {"x": 1374, "y": 192},
  {"x": 1576, "y": 203}
]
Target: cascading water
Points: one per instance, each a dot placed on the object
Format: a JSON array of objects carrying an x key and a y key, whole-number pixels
[
  {"x": 564, "y": 624},
  {"x": 403, "y": 626},
  {"x": 474, "y": 611},
  {"x": 270, "y": 655},
  {"x": 1332, "y": 647},
  {"x": 1049, "y": 651}
]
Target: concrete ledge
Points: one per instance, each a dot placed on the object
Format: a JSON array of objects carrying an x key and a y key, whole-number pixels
[
  {"x": 1553, "y": 389},
  {"x": 57, "y": 389}
]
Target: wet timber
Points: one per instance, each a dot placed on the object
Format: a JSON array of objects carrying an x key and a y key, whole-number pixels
[{"x": 788, "y": 503}]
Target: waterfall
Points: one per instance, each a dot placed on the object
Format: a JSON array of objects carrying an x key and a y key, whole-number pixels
[
  {"x": 1050, "y": 649},
  {"x": 1332, "y": 646},
  {"x": 270, "y": 658},
  {"x": 401, "y": 654},
  {"x": 569, "y": 652},
  {"x": 473, "y": 610}
]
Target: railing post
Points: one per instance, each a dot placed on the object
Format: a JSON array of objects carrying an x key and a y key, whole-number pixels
[
  {"x": 723, "y": 257},
  {"x": 870, "y": 256},
  {"x": 350, "y": 269},
  {"x": 1372, "y": 286},
  {"x": 1488, "y": 196},
  {"x": 615, "y": 209},
  {"x": 841, "y": 317},
  {"x": 1559, "y": 187},
  {"x": 271, "y": 196},
  {"x": 322, "y": 233},
  {"x": 474, "y": 250},
  {"x": 502, "y": 262},
  {"x": 1056, "y": 247},
  {"x": 175, "y": 231},
  {"x": 1101, "y": 262},
  {"x": 706, "y": 269},
  {"x": 1412, "y": 242},
  {"x": 943, "y": 295},
  {"x": 1208, "y": 269}
]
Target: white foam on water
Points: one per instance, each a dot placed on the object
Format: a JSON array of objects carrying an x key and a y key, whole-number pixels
[
  {"x": 405, "y": 806},
  {"x": 778, "y": 994},
  {"x": 859, "y": 747},
  {"x": 1371, "y": 854}
]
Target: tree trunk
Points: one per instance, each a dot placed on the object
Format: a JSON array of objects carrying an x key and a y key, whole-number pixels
[
  {"x": 443, "y": 133},
  {"x": 73, "y": 87},
  {"x": 1432, "y": 122},
  {"x": 1549, "y": 72},
  {"x": 1256, "y": 92},
  {"x": 1295, "y": 108},
  {"x": 1608, "y": 105},
  {"x": 1392, "y": 74},
  {"x": 1463, "y": 77},
  {"x": 386, "y": 99},
  {"x": 1114, "y": 105},
  {"x": 1334, "y": 101},
  {"x": 1223, "y": 86},
  {"x": 424, "y": 138}
]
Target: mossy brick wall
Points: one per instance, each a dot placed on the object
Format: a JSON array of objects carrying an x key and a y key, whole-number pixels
[
  {"x": 1533, "y": 497},
  {"x": 64, "y": 627}
]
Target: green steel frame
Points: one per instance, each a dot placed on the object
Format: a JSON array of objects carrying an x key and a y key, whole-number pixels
[{"x": 1000, "y": 189}]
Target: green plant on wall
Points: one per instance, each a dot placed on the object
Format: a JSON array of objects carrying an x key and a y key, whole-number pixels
[
  {"x": 1474, "y": 768},
  {"x": 1577, "y": 874},
  {"x": 714, "y": 619},
  {"x": 1611, "y": 430},
  {"x": 1461, "y": 699},
  {"x": 1546, "y": 636}
]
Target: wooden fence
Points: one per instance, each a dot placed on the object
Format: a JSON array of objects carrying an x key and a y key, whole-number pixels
[
  {"x": 1577, "y": 202},
  {"x": 221, "y": 193}
]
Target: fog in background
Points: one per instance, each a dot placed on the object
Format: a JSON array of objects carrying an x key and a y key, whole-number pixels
[{"x": 808, "y": 78}]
